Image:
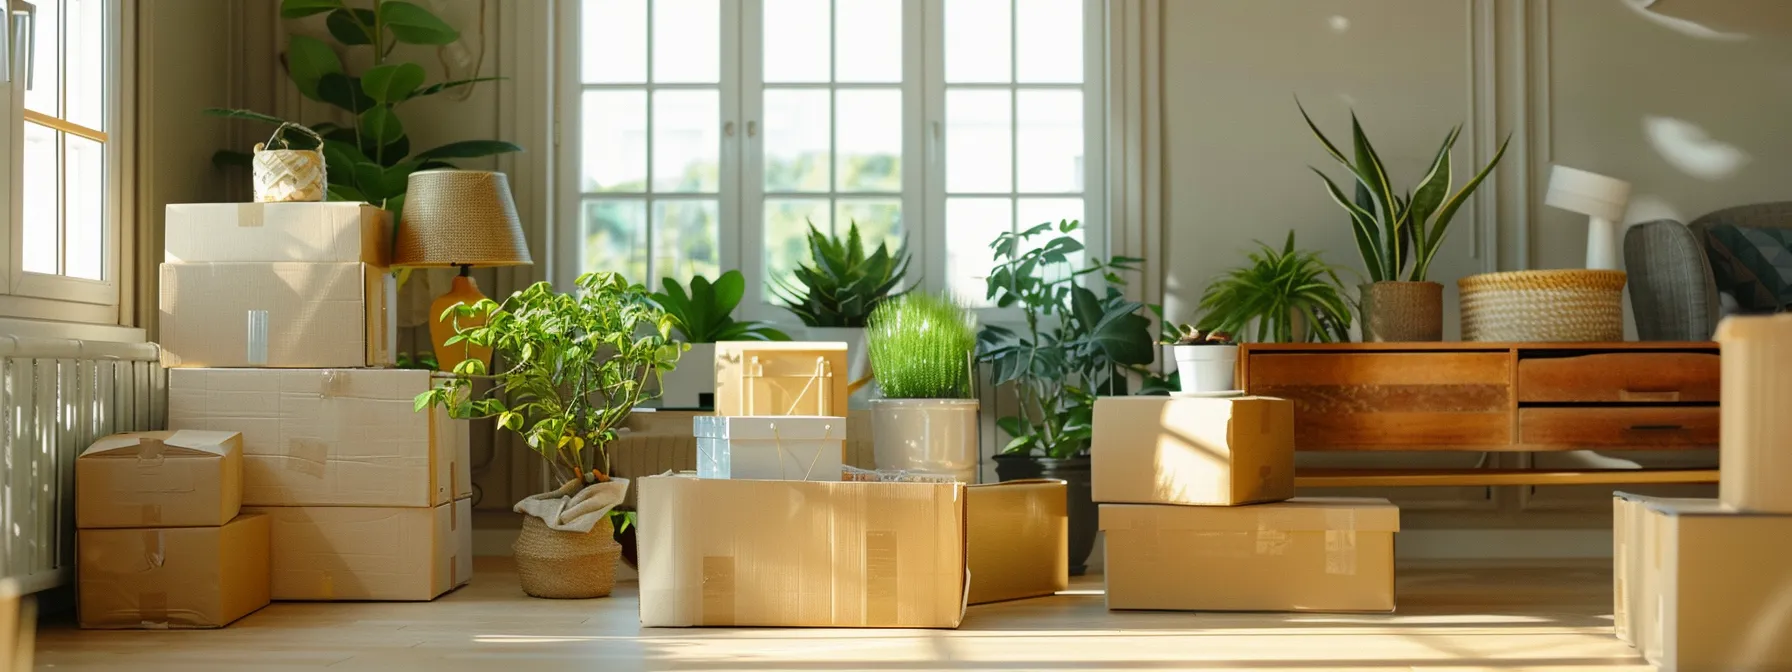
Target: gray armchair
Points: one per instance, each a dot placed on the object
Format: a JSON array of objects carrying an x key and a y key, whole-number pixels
[{"x": 1673, "y": 294}]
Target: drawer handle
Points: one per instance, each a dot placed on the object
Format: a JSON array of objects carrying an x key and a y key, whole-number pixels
[
  {"x": 1630, "y": 395},
  {"x": 1657, "y": 428}
]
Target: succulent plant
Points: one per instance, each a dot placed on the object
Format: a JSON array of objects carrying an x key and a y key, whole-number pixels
[
  {"x": 841, "y": 284},
  {"x": 1188, "y": 335},
  {"x": 920, "y": 346}
]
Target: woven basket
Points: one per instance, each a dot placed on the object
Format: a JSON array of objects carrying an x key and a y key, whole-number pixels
[
  {"x": 1565, "y": 306},
  {"x": 566, "y": 565},
  {"x": 289, "y": 175}
]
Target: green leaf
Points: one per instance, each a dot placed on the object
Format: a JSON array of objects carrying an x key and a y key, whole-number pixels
[
  {"x": 1433, "y": 187},
  {"x": 423, "y": 400},
  {"x": 468, "y": 149},
  {"x": 380, "y": 125},
  {"x": 298, "y": 9},
  {"x": 343, "y": 91},
  {"x": 439, "y": 87},
  {"x": 392, "y": 82},
  {"x": 1374, "y": 175},
  {"x": 415, "y": 25},
  {"x": 308, "y": 60},
  {"x": 343, "y": 26},
  {"x": 1363, "y": 227},
  {"x": 370, "y": 178},
  {"x": 1428, "y": 248},
  {"x": 346, "y": 193}
]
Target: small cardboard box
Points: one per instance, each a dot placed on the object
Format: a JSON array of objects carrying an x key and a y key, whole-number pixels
[
  {"x": 176, "y": 577},
  {"x": 277, "y": 315},
  {"x": 788, "y": 378},
  {"x": 1305, "y": 554},
  {"x": 1755, "y": 432},
  {"x": 1723, "y": 588},
  {"x": 1167, "y": 450},
  {"x": 336, "y": 231},
  {"x": 716, "y": 552},
  {"x": 785, "y": 447},
  {"x": 329, "y": 437},
  {"x": 323, "y": 553},
  {"x": 1634, "y": 560},
  {"x": 1019, "y": 536},
  {"x": 186, "y": 478}
]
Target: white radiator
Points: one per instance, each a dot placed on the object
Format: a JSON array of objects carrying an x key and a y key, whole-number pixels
[{"x": 57, "y": 396}]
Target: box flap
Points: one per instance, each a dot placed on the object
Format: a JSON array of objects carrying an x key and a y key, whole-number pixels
[
  {"x": 771, "y": 427},
  {"x": 1356, "y": 514},
  {"x": 176, "y": 443}
]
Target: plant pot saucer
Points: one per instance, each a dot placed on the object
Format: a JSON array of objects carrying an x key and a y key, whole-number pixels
[{"x": 1214, "y": 394}]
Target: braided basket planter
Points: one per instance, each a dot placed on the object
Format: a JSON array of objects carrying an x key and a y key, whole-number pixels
[
  {"x": 1564, "y": 306},
  {"x": 566, "y": 565}
]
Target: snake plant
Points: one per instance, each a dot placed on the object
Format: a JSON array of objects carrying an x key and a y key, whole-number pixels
[
  {"x": 1276, "y": 290},
  {"x": 841, "y": 284}
]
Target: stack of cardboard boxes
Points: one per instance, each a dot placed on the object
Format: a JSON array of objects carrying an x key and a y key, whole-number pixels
[
  {"x": 275, "y": 319},
  {"x": 1196, "y": 507}
]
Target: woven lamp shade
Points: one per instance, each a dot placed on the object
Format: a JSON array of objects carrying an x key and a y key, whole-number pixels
[{"x": 460, "y": 218}]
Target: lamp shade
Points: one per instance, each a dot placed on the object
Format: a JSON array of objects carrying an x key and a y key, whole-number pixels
[
  {"x": 460, "y": 218},
  {"x": 1590, "y": 194}
]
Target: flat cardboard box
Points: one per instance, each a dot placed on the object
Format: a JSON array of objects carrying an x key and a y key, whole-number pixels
[
  {"x": 177, "y": 577},
  {"x": 329, "y": 437},
  {"x": 182, "y": 478},
  {"x": 1755, "y": 432},
  {"x": 1019, "y": 536},
  {"x": 1724, "y": 589},
  {"x": 334, "y": 231},
  {"x": 336, "y": 553},
  {"x": 719, "y": 552},
  {"x": 1169, "y": 450},
  {"x": 1306, "y": 554},
  {"x": 277, "y": 315},
  {"x": 787, "y": 378}
]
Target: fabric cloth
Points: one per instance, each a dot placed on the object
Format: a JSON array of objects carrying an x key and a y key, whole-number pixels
[
  {"x": 1752, "y": 264},
  {"x": 575, "y": 507}
]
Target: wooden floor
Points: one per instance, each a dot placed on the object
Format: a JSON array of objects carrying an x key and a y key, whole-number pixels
[{"x": 1450, "y": 618}]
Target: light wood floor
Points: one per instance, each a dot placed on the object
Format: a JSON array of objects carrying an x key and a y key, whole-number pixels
[{"x": 1451, "y": 618}]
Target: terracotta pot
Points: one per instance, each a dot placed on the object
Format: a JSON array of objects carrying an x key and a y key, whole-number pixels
[
  {"x": 1403, "y": 312},
  {"x": 566, "y": 565}
]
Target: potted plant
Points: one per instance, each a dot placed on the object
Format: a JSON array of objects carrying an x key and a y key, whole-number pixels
[
  {"x": 572, "y": 367},
  {"x": 1073, "y": 345},
  {"x": 920, "y": 347},
  {"x": 1281, "y": 296},
  {"x": 836, "y": 291},
  {"x": 703, "y": 316},
  {"x": 1399, "y": 234},
  {"x": 1206, "y": 360}
]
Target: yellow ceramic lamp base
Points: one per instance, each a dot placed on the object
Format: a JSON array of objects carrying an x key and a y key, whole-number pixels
[{"x": 464, "y": 290}]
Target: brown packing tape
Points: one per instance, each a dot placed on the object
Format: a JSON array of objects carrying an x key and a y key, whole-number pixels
[
  {"x": 153, "y": 553},
  {"x": 333, "y": 384},
  {"x": 150, "y": 515},
  {"x": 152, "y": 609},
  {"x": 307, "y": 456},
  {"x": 1340, "y": 542},
  {"x": 326, "y": 585},
  {"x": 718, "y": 590},
  {"x": 881, "y": 566},
  {"x": 150, "y": 450},
  {"x": 248, "y": 215}
]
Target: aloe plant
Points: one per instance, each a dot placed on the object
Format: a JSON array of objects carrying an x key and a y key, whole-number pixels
[
  {"x": 841, "y": 284},
  {"x": 920, "y": 347},
  {"x": 1270, "y": 292},
  {"x": 1395, "y": 230},
  {"x": 705, "y": 313}
]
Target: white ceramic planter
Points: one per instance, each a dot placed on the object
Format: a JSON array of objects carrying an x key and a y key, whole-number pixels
[
  {"x": 858, "y": 359},
  {"x": 1207, "y": 368},
  {"x": 695, "y": 376},
  {"x": 767, "y": 447},
  {"x": 937, "y": 437}
]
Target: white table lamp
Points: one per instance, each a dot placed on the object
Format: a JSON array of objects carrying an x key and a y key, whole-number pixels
[{"x": 1602, "y": 199}]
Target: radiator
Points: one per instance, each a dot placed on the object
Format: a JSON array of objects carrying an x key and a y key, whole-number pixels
[{"x": 58, "y": 396}]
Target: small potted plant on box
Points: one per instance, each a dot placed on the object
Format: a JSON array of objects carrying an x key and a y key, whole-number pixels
[
  {"x": 920, "y": 346},
  {"x": 1206, "y": 360},
  {"x": 571, "y": 368},
  {"x": 836, "y": 291},
  {"x": 702, "y": 317}
]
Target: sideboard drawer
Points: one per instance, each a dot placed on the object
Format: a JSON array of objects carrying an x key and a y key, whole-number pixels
[
  {"x": 1636, "y": 377},
  {"x": 1635, "y": 428},
  {"x": 1390, "y": 400}
]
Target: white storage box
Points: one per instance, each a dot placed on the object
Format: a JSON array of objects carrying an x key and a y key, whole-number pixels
[{"x": 764, "y": 447}]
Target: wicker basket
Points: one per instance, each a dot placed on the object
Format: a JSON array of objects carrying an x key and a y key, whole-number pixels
[
  {"x": 1564, "y": 306},
  {"x": 566, "y": 565},
  {"x": 289, "y": 175}
]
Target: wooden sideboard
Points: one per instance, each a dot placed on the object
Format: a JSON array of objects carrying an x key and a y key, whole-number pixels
[{"x": 1492, "y": 397}]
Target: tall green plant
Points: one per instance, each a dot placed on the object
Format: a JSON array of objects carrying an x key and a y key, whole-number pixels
[
  {"x": 920, "y": 347},
  {"x": 1394, "y": 230},
  {"x": 841, "y": 284},
  {"x": 705, "y": 314},
  {"x": 1271, "y": 291}
]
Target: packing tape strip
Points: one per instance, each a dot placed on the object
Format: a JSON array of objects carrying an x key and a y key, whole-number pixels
[
  {"x": 880, "y": 577},
  {"x": 306, "y": 455},
  {"x": 717, "y": 607},
  {"x": 1340, "y": 542},
  {"x": 154, "y": 554},
  {"x": 248, "y": 215},
  {"x": 335, "y": 383},
  {"x": 326, "y": 585},
  {"x": 257, "y": 341},
  {"x": 150, "y": 450},
  {"x": 152, "y": 609},
  {"x": 150, "y": 514}
]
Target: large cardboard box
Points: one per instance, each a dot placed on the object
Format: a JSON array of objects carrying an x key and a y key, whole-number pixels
[
  {"x": 1755, "y": 437},
  {"x": 277, "y": 315},
  {"x": 175, "y": 577},
  {"x": 184, "y": 478},
  {"x": 329, "y": 437},
  {"x": 357, "y": 553},
  {"x": 788, "y": 378},
  {"x": 1306, "y": 554},
  {"x": 1019, "y": 536},
  {"x": 1723, "y": 589},
  {"x": 318, "y": 232},
  {"x": 1167, "y": 450},
  {"x": 801, "y": 553}
]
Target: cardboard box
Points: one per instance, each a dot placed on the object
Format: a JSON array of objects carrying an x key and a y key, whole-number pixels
[
  {"x": 1635, "y": 558},
  {"x": 185, "y": 478},
  {"x": 717, "y": 552},
  {"x": 336, "y": 231},
  {"x": 1723, "y": 589},
  {"x": 1019, "y": 536},
  {"x": 329, "y": 437},
  {"x": 1755, "y": 432},
  {"x": 176, "y": 577},
  {"x": 277, "y": 315},
  {"x": 788, "y": 378},
  {"x": 1168, "y": 450},
  {"x": 785, "y": 447},
  {"x": 358, "y": 553},
  {"x": 1306, "y": 554}
]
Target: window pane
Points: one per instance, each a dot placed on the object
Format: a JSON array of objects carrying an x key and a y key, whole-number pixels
[
  {"x": 1051, "y": 41},
  {"x": 786, "y": 237},
  {"x": 85, "y": 248},
  {"x": 879, "y": 220},
  {"x": 686, "y": 240},
  {"x": 796, "y": 41},
  {"x": 42, "y": 204},
  {"x": 869, "y": 145},
  {"x": 687, "y": 41},
  {"x": 614, "y": 138},
  {"x": 616, "y": 238},
  {"x": 869, "y": 35},
  {"x": 46, "y": 67},
  {"x": 971, "y": 225},
  {"x": 1050, "y": 142},
  {"x": 796, "y": 140},
  {"x": 613, "y": 41},
  {"x": 979, "y": 141},
  {"x": 86, "y": 64},
  {"x": 978, "y": 47},
  {"x": 687, "y": 142}
]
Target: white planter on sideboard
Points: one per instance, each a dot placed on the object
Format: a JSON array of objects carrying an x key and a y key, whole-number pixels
[
  {"x": 1207, "y": 368},
  {"x": 936, "y": 437}
]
